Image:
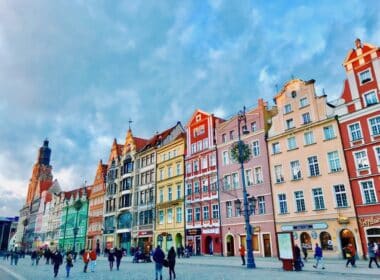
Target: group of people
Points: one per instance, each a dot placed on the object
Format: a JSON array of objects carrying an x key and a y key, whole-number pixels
[{"x": 160, "y": 262}]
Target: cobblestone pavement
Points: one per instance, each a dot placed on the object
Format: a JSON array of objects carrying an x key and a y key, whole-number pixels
[{"x": 198, "y": 268}]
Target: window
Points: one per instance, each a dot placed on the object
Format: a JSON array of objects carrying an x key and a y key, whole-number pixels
[
  {"x": 205, "y": 213},
  {"x": 375, "y": 126},
  {"x": 365, "y": 76},
  {"x": 278, "y": 173},
  {"x": 292, "y": 144},
  {"x": 178, "y": 169},
  {"x": 319, "y": 202},
  {"x": 213, "y": 160},
  {"x": 161, "y": 217},
  {"x": 255, "y": 148},
  {"x": 189, "y": 215},
  {"x": 161, "y": 195},
  {"x": 196, "y": 166},
  {"x": 361, "y": 160},
  {"x": 229, "y": 209},
  {"x": 309, "y": 138},
  {"x": 304, "y": 102},
  {"x": 289, "y": 124},
  {"x": 193, "y": 148},
  {"x": 178, "y": 191},
  {"x": 170, "y": 172},
  {"x": 170, "y": 194},
  {"x": 170, "y": 155},
  {"x": 306, "y": 118},
  {"x": 258, "y": 175},
  {"x": 188, "y": 189},
  {"x": 205, "y": 143},
  {"x": 215, "y": 211},
  {"x": 334, "y": 162},
  {"x": 370, "y": 98},
  {"x": 204, "y": 163},
  {"x": 170, "y": 215},
  {"x": 300, "y": 201},
  {"x": 179, "y": 215},
  {"x": 253, "y": 126},
  {"x": 235, "y": 180},
  {"x": 197, "y": 214},
  {"x": 296, "y": 170},
  {"x": 276, "y": 148},
  {"x": 368, "y": 192},
  {"x": 188, "y": 168},
  {"x": 161, "y": 174},
  {"x": 248, "y": 176},
  {"x": 340, "y": 196},
  {"x": 225, "y": 158},
  {"x": 227, "y": 182},
  {"x": 231, "y": 135},
  {"x": 287, "y": 108},
  {"x": 224, "y": 138},
  {"x": 261, "y": 203},
  {"x": 328, "y": 132},
  {"x": 377, "y": 155},
  {"x": 174, "y": 153},
  {"x": 282, "y": 203},
  {"x": 199, "y": 146},
  {"x": 313, "y": 166},
  {"x": 196, "y": 187},
  {"x": 355, "y": 131}
]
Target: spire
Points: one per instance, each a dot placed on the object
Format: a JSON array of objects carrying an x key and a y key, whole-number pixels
[{"x": 44, "y": 153}]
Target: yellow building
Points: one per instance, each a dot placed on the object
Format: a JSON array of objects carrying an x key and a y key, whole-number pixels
[{"x": 169, "y": 222}]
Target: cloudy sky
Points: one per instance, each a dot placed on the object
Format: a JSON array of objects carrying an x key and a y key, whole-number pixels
[{"x": 76, "y": 71}]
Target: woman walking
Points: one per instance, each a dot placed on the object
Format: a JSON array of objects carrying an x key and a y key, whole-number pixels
[
  {"x": 111, "y": 258},
  {"x": 69, "y": 264},
  {"x": 350, "y": 255},
  {"x": 318, "y": 255},
  {"x": 171, "y": 261},
  {"x": 372, "y": 249}
]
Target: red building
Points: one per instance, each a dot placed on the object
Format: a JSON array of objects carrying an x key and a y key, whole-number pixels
[
  {"x": 359, "y": 120},
  {"x": 203, "y": 230}
]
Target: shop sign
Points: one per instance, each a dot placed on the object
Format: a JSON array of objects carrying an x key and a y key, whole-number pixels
[
  {"x": 367, "y": 222},
  {"x": 194, "y": 231},
  {"x": 145, "y": 233},
  {"x": 210, "y": 231},
  {"x": 304, "y": 227}
]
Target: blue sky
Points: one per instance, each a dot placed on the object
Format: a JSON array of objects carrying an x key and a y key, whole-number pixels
[{"x": 76, "y": 71}]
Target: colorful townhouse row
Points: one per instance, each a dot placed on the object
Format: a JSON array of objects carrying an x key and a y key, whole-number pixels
[{"x": 314, "y": 170}]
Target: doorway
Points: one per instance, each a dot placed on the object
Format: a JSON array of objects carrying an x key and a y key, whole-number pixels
[
  {"x": 197, "y": 245},
  {"x": 306, "y": 241},
  {"x": 346, "y": 237},
  {"x": 267, "y": 245},
  {"x": 209, "y": 246},
  {"x": 230, "y": 246}
]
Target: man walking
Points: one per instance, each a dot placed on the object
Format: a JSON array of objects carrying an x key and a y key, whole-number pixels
[
  {"x": 118, "y": 256},
  {"x": 57, "y": 261},
  {"x": 158, "y": 257},
  {"x": 242, "y": 254},
  {"x": 318, "y": 256},
  {"x": 372, "y": 249}
]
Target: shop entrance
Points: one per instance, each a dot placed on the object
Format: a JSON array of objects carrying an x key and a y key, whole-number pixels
[
  {"x": 209, "y": 246},
  {"x": 346, "y": 237},
  {"x": 267, "y": 247},
  {"x": 230, "y": 246},
  {"x": 197, "y": 245},
  {"x": 306, "y": 241},
  {"x": 178, "y": 240}
]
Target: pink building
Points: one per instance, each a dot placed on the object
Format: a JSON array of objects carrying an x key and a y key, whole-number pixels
[{"x": 257, "y": 180}]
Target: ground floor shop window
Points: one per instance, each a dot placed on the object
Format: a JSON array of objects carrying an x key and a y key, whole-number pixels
[{"x": 325, "y": 240}]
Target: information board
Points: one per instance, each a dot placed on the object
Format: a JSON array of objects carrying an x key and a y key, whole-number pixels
[{"x": 285, "y": 245}]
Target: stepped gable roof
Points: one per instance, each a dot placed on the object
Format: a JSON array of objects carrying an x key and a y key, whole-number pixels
[
  {"x": 116, "y": 150},
  {"x": 365, "y": 49},
  {"x": 197, "y": 111},
  {"x": 78, "y": 193}
]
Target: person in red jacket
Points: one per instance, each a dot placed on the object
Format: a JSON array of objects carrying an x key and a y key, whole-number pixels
[
  {"x": 93, "y": 256},
  {"x": 86, "y": 260},
  {"x": 242, "y": 254}
]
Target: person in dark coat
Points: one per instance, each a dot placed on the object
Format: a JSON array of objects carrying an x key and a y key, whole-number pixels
[
  {"x": 372, "y": 248},
  {"x": 69, "y": 264},
  {"x": 350, "y": 255},
  {"x": 171, "y": 262},
  {"x": 111, "y": 258},
  {"x": 57, "y": 260},
  {"x": 158, "y": 257},
  {"x": 118, "y": 255},
  {"x": 304, "y": 251},
  {"x": 33, "y": 257},
  {"x": 297, "y": 258},
  {"x": 47, "y": 255}
]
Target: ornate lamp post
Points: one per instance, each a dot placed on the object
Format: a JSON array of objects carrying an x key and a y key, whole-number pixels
[
  {"x": 77, "y": 206},
  {"x": 241, "y": 153}
]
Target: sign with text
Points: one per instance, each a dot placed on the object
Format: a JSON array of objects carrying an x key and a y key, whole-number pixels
[{"x": 285, "y": 245}]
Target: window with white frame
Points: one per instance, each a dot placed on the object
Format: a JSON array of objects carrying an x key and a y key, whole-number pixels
[
  {"x": 306, "y": 118},
  {"x": 261, "y": 204},
  {"x": 368, "y": 192},
  {"x": 205, "y": 213},
  {"x": 304, "y": 102},
  {"x": 278, "y": 173},
  {"x": 212, "y": 159},
  {"x": 226, "y": 159},
  {"x": 170, "y": 215},
  {"x": 340, "y": 196},
  {"x": 188, "y": 189},
  {"x": 175, "y": 153},
  {"x": 292, "y": 144},
  {"x": 334, "y": 161},
  {"x": 355, "y": 131},
  {"x": 170, "y": 194},
  {"x": 235, "y": 180},
  {"x": 253, "y": 126},
  {"x": 199, "y": 146},
  {"x": 289, "y": 124},
  {"x": 377, "y": 154},
  {"x": 295, "y": 169},
  {"x": 196, "y": 187},
  {"x": 204, "y": 186},
  {"x": 189, "y": 215},
  {"x": 258, "y": 175},
  {"x": 161, "y": 195},
  {"x": 179, "y": 215},
  {"x": 227, "y": 182},
  {"x": 309, "y": 138},
  {"x": 370, "y": 98},
  {"x": 188, "y": 168},
  {"x": 328, "y": 132},
  {"x": 283, "y": 205},
  {"x": 313, "y": 166},
  {"x": 215, "y": 211},
  {"x": 300, "y": 201},
  {"x": 178, "y": 168},
  {"x": 178, "y": 191},
  {"x": 205, "y": 143},
  {"x": 229, "y": 209},
  {"x": 170, "y": 173},
  {"x": 231, "y": 135},
  {"x": 193, "y": 148},
  {"x": 276, "y": 148},
  {"x": 375, "y": 126},
  {"x": 204, "y": 163},
  {"x": 365, "y": 76},
  {"x": 287, "y": 108},
  {"x": 248, "y": 176},
  {"x": 361, "y": 160},
  {"x": 196, "y": 165},
  {"x": 161, "y": 216},
  {"x": 255, "y": 148},
  {"x": 161, "y": 174},
  {"x": 224, "y": 138},
  {"x": 319, "y": 202},
  {"x": 197, "y": 214}
]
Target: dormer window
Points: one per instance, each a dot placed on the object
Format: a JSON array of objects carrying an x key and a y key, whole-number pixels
[
  {"x": 365, "y": 76},
  {"x": 370, "y": 98}
]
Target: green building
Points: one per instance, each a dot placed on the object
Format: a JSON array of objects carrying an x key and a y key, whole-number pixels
[{"x": 74, "y": 218}]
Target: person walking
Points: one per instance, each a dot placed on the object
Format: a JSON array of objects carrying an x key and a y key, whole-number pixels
[
  {"x": 171, "y": 262},
  {"x": 118, "y": 256},
  {"x": 33, "y": 257},
  {"x": 350, "y": 255},
  {"x": 86, "y": 260},
  {"x": 304, "y": 251},
  {"x": 111, "y": 258},
  {"x": 242, "y": 254},
  {"x": 372, "y": 249},
  {"x": 47, "y": 255},
  {"x": 158, "y": 257},
  {"x": 93, "y": 256},
  {"x": 57, "y": 261},
  {"x": 318, "y": 255},
  {"x": 297, "y": 258},
  {"x": 39, "y": 255},
  {"x": 69, "y": 264}
]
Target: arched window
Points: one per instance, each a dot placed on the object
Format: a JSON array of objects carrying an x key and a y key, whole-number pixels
[{"x": 325, "y": 240}]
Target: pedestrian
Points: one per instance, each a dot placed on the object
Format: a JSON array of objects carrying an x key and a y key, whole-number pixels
[
  {"x": 118, "y": 255},
  {"x": 93, "y": 256},
  {"x": 57, "y": 261},
  {"x": 350, "y": 255},
  {"x": 158, "y": 257},
  {"x": 111, "y": 258},
  {"x": 12, "y": 256},
  {"x": 304, "y": 251},
  {"x": 86, "y": 260},
  {"x": 372, "y": 249},
  {"x": 47, "y": 255},
  {"x": 242, "y": 254},
  {"x": 171, "y": 262},
  {"x": 318, "y": 256},
  {"x": 297, "y": 258},
  {"x": 39, "y": 255},
  {"x": 69, "y": 264},
  {"x": 33, "y": 257}
]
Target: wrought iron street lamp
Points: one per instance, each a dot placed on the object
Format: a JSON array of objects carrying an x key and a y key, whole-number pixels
[{"x": 77, "y": 206}]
